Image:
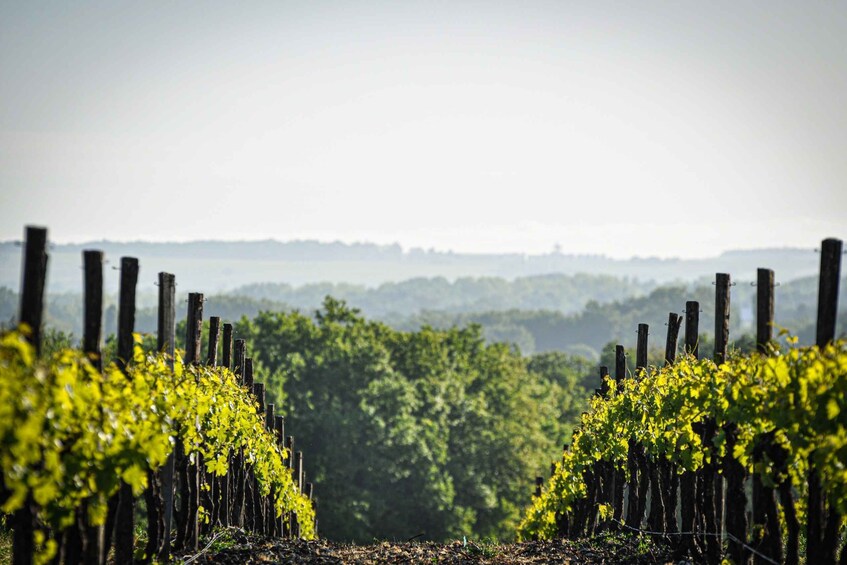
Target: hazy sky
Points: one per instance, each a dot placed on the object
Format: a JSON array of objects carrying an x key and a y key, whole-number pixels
[{"x": 648, "y": 128}]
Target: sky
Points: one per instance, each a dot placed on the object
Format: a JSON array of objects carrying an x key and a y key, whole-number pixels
[{"x": 671, "y": 129}]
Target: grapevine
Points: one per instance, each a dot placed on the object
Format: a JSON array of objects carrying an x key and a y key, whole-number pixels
[
  {"x": 69, "y": 433},
  {"x": 795, "y": 398}
]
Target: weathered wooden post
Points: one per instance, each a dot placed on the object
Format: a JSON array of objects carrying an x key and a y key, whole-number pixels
[
  {"x": 279, "y": 427},
  {"x": 830, "y": 274},
  {"x": 32, "y": 286},
  {"x": 764, "y": 309},
  {"x": 93, "y": 309},
  {"x": 238, "y": 475},
  {"x": 722, "y": 284},
  {"x": 226, "y": 354},
  {"x": 248, "y": 373},
  {"x": 674, "y": 321},
  {"x": 270, "y": 521},
  {"x": 668, "y": 476},
  {"x": 289, "y": 447},
  {"x": 210, "y": 483},
  {"x": 214, "y": 337},
  {"x": 692, "y": 326},
  {"x": 238, "y": 359},
  {"x": 190, "y": 489},
  {"x": 641, "y": 349},
  {"x": 765, "y": 512},
  {"x": 646, "y": 470},
  {"x": 126, "y": 310},
  {"x": 722, "y": 310},
  {"x": 619, "y": 474},
  {"x": 255, "y": 508},
  {"x": 620, "y": 364},
  {"x": 159, "y": 524},
  {"x": 91, "y": 337},
  {"x": 193, "y": 328},
  {"x": 688, "y": 479},
  {"x": 604, "y": 384},
  {"x": 125, "y": 517},
  {"x": 823, "y": 523},
  {"x": 31, "y": 312},
  {"x": 298, "y": 480},
  {"x": 223, "y": 507}
]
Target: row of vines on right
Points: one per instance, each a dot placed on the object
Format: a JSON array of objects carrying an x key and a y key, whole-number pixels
[{"x": 736, "y": 457}]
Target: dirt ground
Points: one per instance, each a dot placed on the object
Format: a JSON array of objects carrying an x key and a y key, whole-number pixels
[{"x": 240, "y": 549}]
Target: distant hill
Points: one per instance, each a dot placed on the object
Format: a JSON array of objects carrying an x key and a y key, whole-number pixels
[{"x": 215, "y": 266}]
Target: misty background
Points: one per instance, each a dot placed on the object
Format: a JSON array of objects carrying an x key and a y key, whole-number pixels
[{"x": 649, "y": 129}]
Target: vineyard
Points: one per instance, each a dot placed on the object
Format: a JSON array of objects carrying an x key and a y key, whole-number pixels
[
  {"x": 734, "y": 458},
  {"x": 674, "y": 451},
  {"x": 83, "y": 442}
]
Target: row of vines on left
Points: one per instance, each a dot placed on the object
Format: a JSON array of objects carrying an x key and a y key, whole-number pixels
[{"x": 189, "y": 441}]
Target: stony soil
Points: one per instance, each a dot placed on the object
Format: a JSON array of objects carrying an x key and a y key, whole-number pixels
[{"x": 607, "y": 550}]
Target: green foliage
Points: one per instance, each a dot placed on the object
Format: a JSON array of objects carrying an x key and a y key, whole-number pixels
[
  {"x": 70, "y": 434},
  {"x": 797, "y": 397},
  {"x": 430, "y": 432}
]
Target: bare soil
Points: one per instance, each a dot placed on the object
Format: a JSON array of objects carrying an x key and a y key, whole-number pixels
[{"x": 611, "y": 549}]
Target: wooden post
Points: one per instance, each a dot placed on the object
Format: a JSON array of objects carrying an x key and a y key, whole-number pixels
[
  {"x": 674, "y": 321},
  {"x": 298, "y": 470},
  {"x": 193, "y": 328},
  {"x": 620, "y": 364},
  {"x": 641, "y": 349},
  {"x": 256, "y": 506},
  {"x": 92, "y": 330},
  {"x": 604, "y": 384},
  {"x": 259, "y": 393},
  {"x": 125, "y": 517},
  {"x": 32, "y": 285},
  {"x": 692, "y": 327},
  {"x": 688, "y": 480},
  {"x": 238, "y": 472},
  {"x": 270, "y": 522},
  {"x": 166, "y": 341},
  {"x": 830, "y": 274},
  {"x": 289, "y": 446},
  {"x": 823, "y": 522},
  {"x": 722, "y": 301},
  {"x": 667, "y": 476},
  {"x": 191, "y": 488},
  {"x": 764, "y": 309},
  {"x": 93, "y": 309},
  {"x": 210, "y": 483},
  {"x": 721, "y": 317},
  {"x": 248, "y": 373},
  {"x": 225, "y": 483},
  {"x": 619, "y": 478},
  {"x": 126, "y": 309},
  {"x": 226, "y": 356},
  {"x": 279, "y": 427},
  {"x": 160, "y": 490},
  {"x": 214, "y": 336},
  {"x": 298, "y": 480},
  {"x": 736, "y": 515},
  {"x": 31, "y": 312},
  {"x": 238, "y": 359}
]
